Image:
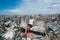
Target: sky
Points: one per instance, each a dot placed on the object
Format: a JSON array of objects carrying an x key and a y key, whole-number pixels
[{"x": 27, "y": 7}]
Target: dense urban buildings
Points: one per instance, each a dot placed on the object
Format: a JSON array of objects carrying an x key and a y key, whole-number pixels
[{"x": 46, "y": 27}]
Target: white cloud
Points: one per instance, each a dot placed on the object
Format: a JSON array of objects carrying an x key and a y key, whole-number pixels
[
  {"x": 47, "y": 1},
  {"x": 12, "y": 10},
  {"x": 34, "y": 7},
  {"x": 56, "y": 5}
]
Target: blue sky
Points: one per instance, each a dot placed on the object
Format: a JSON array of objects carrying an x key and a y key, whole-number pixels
[{"x": 16, "y": 7}]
